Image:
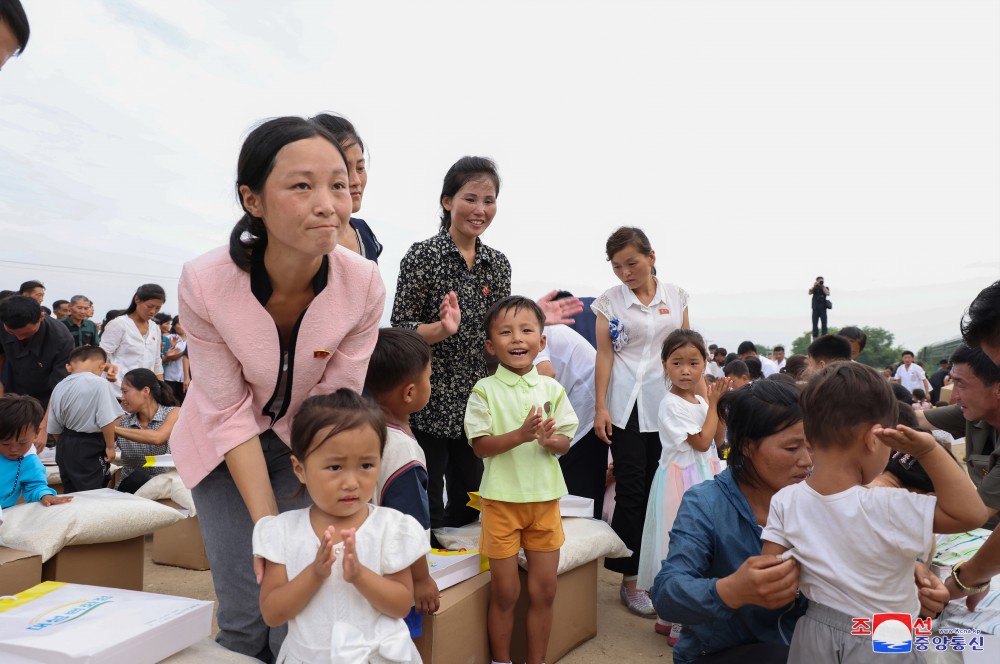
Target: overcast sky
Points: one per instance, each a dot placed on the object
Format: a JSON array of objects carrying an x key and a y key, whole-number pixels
[{"x": 758, "y": 143}]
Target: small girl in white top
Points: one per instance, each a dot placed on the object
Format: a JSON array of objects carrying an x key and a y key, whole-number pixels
[
  {"x": 132, "y": 341},
  {"x": 688, "y": 425},
  {"x": 339, "y": 572}
]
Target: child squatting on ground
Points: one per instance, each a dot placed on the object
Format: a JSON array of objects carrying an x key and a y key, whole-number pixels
[
  {"x": 83, "y": 412},
  {"x": 399, "y": 380},
  {"x": 517, "y": 421},
  {"x": 20, "y": 472},
  {"x": 338, "y": 572},
  {"x": 857, "y": 545}
]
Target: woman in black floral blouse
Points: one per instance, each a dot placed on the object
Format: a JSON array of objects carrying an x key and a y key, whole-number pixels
[{"x": 445, "y": 285}]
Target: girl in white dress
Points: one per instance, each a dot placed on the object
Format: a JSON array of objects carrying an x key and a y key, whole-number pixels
[
  {"x": 687, "y": 424},
  {"x": 338, "y": 572}
]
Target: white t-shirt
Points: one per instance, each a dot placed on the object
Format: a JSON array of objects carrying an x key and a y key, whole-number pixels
[
  {"x": 713, "y": 369},
  {"x": 573, "y": 360},
  {"x": 387, "y": 542},
  {"x": 781, "y": 365},
  {"x": 768, "y": 366},
  {"x": 679, "y": 418},
  {"x": 856, "y": 547},
  {"x": 82, "y": 402},
  {"x": 127, "y": 348},
  {"x": 638, "y": 333},
  {"x": 174, "y": 370},
  {"x": 911, "y": 378}
]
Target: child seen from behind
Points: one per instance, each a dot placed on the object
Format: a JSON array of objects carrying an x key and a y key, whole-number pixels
[
  {"x": 517, "y": 421},
  {"x": 857, "y": 546},
  {"x": 687, "y": 423},
  {"x": 22, "y": 473},
  {"x": 339, "y": 572}
]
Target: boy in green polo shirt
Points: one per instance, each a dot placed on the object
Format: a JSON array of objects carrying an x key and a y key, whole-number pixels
[{"x": 517, "y": 421}]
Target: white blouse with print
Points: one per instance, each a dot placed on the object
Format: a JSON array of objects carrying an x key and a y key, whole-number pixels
[
  {"x": 128, "y": 349},
  {"x": 637, "y": 335}
]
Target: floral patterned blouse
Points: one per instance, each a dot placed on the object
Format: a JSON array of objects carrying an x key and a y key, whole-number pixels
[{"x": 429, "y": 271}]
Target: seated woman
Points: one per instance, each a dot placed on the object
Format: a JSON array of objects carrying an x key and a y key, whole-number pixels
[
  {"x": 735, "y": 604},
  {"x": 145, "y": 430}
]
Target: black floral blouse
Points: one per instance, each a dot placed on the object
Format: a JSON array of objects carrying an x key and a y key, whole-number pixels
[{"x": 428, "y": 272}]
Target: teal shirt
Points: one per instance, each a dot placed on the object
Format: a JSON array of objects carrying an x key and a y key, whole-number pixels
[{"x": 499, "y": 404}]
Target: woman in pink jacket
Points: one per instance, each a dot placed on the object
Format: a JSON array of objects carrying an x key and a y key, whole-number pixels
[{"x": 280, "y": 315}]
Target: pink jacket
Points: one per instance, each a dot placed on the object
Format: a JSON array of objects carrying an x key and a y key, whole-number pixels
[{"x": 235, "y": 353}]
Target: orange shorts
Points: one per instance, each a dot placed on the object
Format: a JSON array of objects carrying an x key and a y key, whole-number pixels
[{"x": 508, "y": 527}]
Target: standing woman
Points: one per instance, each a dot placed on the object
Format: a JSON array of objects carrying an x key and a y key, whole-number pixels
[
  {"x": 151, "y": 412},
  {"x": 633, "y": 320},
  {"x": 175, "y": 372},
  {"x": 356, "y": 235},
  {"x": 446, "y": 284},
  {"x": 272, "y": 319},
  {"x": 132, "y": 341}
]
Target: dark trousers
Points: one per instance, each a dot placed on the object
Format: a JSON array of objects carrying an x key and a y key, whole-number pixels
[
  {"x": 227, "y": 530},
  {"x": 451, "y": 463},
  {"x": 80, "y": 457},
  {"x": 758, "y": 653},
  {"x": 636, "y": 456},
  {"x": 819, "y": 315},
  {"x": 134, "y": 481},
  {"x": 584, "y": 468}
]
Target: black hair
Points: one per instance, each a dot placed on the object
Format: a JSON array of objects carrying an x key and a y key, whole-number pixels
[
  {"x": 777, "y": 348},
  {"x": 919, "y": 394},
  {"x": 342, "y": 410},
  {"x": 980, "y": 363},
  {"x": 752, "y": 414},
  {"x": 901, "y": 393},
  {"x": 907, "y": 352},
  {"x": 46, "y": 310},
  {"x": 12, "y": 13},
  {"x": 854, "y": 333},
  {"x": 29, "y": 286},
  {"x": 755, "y": 367},
  {"x": 722, "y": 351},
  {"x": 340, "y": 128},
  {"x": 746, "y": 347},
  {"x": 981, "y": 321},
  {"x": 173, "y": 323},
  {"x": 830, "y": 348},
  {"x": 562, "y": 295},
  {"x": 400, "y": 355},
  {"x": 162, "y": 318},
  {"x": 736, "y": 368},
  {"x": 712, "y": 348},
  {"x": 17, "y": 311},
  {"x": 680, "y": 338},
  {"x": 84, "y": 353},
  {"x": 161, "y": 393},
  {"x": 248, "y": 238},
  {"x": 145, "y": 293},
  {"x": 944, "y": 361},
  {"x": 842, "y": 398},
  {"x": 515, "y": 302},
  {"x": 19, "y": 414},
  {"x": 110, "y": 316},
  {"x": 795, "y": 366},
  {"x": 461, "y": 173},
  {"x": 58, "y": 303},
  {"x": 4, "y": 294},
  {"x": 628, "y": 236},
  {"x": 782, "y": 378}
]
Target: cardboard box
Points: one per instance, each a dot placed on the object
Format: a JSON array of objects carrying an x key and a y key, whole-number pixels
[
  {"x": 449, "y": 568},
  {"x": 111, "y": 564},
  {"x": 18, "y": 570},
  {"x": 180, "y": 545},
  {"x": 575, "y": 613},
  {"x": 946, "y": 394},
  {"x": 457, "y": 632},
  {"x": 62, "y": 623}
]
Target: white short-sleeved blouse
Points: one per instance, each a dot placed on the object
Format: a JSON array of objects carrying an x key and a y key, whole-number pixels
[
  {"x": 637, "y": 335},
  {"x": 129, "y": 349}
]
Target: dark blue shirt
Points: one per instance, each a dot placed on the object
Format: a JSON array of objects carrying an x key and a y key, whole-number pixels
[{"x": 371, "y": 248}]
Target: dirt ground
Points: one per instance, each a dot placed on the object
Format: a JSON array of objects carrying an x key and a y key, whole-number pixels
[{"x": 621, "y": 636}]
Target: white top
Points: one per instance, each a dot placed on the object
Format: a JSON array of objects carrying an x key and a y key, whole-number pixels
[
  {"x": 82, "y": 402},
  {"x": 679, "y": 418},
  {"x": 401, "y": 452},
  {"x": 637, "y": 334},
  {"x": 781, "y": 365},
  {"x": 713, "y": 369},
  {"x": 127, "y": 348},
  {"x": 174, "y": 371},
  {"x": 338, "y": 624},
  {"x": 768, "y": 366},
  {"x": 912, "y": 377},
  {"x": 573, "y": 360},
  {"x": 856, "y": 547}
]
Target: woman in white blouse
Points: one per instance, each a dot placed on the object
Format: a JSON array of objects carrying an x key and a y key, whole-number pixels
[
  {"x": 633, "y": 319},
  {"x": 131, "y": 340}
]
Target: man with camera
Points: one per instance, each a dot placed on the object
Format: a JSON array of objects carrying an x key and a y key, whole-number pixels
[{"x": 820, "y": 304}]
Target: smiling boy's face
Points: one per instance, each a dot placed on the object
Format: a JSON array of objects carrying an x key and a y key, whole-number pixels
[
  {"x": 16, "y": 446},
  {"x": 515, "y": 339}
]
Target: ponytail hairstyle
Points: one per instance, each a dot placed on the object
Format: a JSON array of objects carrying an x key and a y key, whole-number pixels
[
  {"x": 461, "y": 172},
  {"x": 144, "y": 293},
  {"x": 248, "y": 238},
  {"x": 628, "y": 236},
  {"x": 160, "y": 392},
  {"x": 340, "y": 128}
]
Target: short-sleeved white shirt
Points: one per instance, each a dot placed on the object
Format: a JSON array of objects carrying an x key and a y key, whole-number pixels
[
  {"x": 856, "y": 547},
  {"x": 638, "y": 333},
  {"x": 127, "y": 348},
  {"x": 911, "y": 378},
  {"x": 679, "y": 418},
  {"x": 573, "y": 360},
  {"x": 768, "y": 366}
]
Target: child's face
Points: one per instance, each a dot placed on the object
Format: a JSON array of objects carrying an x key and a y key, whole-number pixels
[
  {"x": 340, "y": 471},
  {"x": 16, "y": 446},
  {"x": 93, "y": 365},
  {"x": 907, "y": 360},
  {"x": 739, "y": 381},
  {"x": 515, "y": 339},
  {"x": 684, "y": 367}
]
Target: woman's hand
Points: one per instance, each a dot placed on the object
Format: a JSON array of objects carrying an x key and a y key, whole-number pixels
[
  {"x": 450, "y": 314},
  {"x": 602, "y": 425},
  {"x": 558, "y": 312},
  {"x": 764, "y": 581}
]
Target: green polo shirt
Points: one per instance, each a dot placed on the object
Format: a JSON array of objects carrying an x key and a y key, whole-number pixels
[
  {"x": 499, "y": 404},
  {"x": 981, "y": 450},
  {"x": 84, "y": 334}
]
